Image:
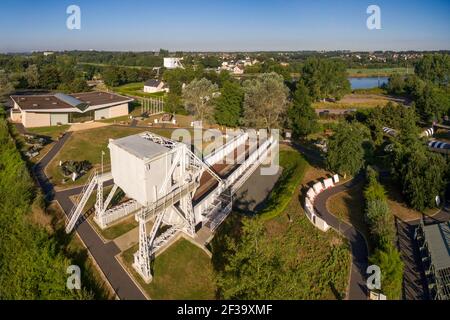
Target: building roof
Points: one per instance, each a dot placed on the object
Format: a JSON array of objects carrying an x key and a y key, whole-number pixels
[
  {"x": 438, "y": 239},
  {"x": 438, "y": 145},
  {"x": 140, "y": 147},
  {"x": 77, "y": 102},
  {"x": 152, "y": 83}
]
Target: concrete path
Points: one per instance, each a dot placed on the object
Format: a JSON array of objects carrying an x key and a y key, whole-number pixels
[{"x": 103, "y": 253}]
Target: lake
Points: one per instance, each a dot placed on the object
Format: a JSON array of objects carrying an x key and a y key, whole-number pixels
[{"x": 368, "y": 82}]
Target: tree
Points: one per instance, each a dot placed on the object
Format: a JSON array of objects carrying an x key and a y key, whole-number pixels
[
  {"x": 434, "y": 68},
  {"x": 49, "y": 77},
  {"x": 6, "y": 86},
  {"x": 229, "y": 105},
  {"x": 391, "y": 266},
  {"x": 265, "y": 101},
  {"x": 396, "y": 84},
  {"x": 420, "y": 173},
  {"x": 32, "y": 76},
  {"x": 325, "y": 78},
  {"x": 112, "y": 77},
  {"x": 302, "y": 117},
  {"x": 198, "y": 98},
  {"x": 345, "y": 149},
  {"x": 174, "y": 104}
]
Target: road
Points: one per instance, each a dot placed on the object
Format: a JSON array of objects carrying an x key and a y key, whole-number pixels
[
  {"x": 357, "y": 286},
  {"x": 104, "y": 253}
]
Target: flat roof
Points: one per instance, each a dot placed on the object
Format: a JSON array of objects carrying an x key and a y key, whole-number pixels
[
  {"x": 59, "y": 101},
  {"x": 140, "y": 147},
  {"x": 438, "y": 239}
]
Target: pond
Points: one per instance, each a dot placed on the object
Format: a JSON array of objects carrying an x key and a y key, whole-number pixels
[{"x": 367, "y": 82}]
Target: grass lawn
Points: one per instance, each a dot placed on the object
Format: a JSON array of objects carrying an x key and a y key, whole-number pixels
[
  {"x": 183, "y": 271},
  {"x": 382, "y": 72},
  {"x": 323, "y": 258},
  {"x": 53, "y": 131},
  {"x": 355, "y": 101},
  {"x": 137, "y": 89},
  {"x": 116, "y": 230}
]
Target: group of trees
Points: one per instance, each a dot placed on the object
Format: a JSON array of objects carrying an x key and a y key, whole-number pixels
[
  {"x": 325, "y": 78},
  {"x": 32, "y": 261},
  {"x": 38, "y": 72},
  {"x": 382, "y": 233},
  {"x": 346, "y": 152},
  {"x": 116, "y": 76},
  {"x": 420, "y": 173},
  {"x": 428, "y": 88}
]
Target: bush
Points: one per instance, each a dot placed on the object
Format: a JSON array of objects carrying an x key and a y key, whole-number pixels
[
  {"x": 293, "y": 170},
  {"x": 382, "y": 232}
]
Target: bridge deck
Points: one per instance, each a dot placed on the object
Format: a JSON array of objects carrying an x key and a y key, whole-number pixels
[{"x": 223, "y": 169}]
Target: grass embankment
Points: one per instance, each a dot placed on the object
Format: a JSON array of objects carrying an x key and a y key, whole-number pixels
[
  {"x": 34, "y": 253},
  {"x": 300, "y": 261},
  {"x": 380, "y": 72},
  {"x": 51, "y": 132},
  {"x": 293, "y": 170},
  {"x": 183, "y": 271}
]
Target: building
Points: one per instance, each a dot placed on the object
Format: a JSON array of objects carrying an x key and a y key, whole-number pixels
[
  {"x": 238, "y": 70},
  {"x": 434, "y": 242},
  {"x": 155, "y": 85},
  {"x": 172, "y": 63},
  {"x": 59, "y": 108}
]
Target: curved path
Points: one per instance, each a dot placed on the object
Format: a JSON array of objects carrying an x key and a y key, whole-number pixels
[
  {"x": 103, "y": 253},
  {"x": 357, "y": 287}
]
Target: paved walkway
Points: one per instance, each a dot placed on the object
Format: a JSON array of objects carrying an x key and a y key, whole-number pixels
[
  {"x": 87, "y": 125},
  {"x": 103, "y": 253}
]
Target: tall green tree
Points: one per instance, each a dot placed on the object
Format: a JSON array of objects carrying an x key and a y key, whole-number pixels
[
  {"x": 302, "y": 116},
  {"x": 325, "y": 78},
  {"x": 229, "y": 105},
  {"x": 198, "y": 97},
  {"x": 6, "y": 85},
  {"x": 265, "y": 101}
]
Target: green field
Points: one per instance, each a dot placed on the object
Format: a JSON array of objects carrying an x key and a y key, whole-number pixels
[
  {"x": 88, "y": 145},
  {"x": 136, "y": 89},
  {"x": 183, "y": 271},
  {"x": 383, "y": 72}
]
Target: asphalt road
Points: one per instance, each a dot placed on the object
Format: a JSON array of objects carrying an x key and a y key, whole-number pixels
[
  {"x": 103, "y": 253},
  {"x": 357, "y": 286}
]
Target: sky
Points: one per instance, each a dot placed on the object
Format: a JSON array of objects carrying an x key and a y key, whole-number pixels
[{"x": 224, "y": 25}]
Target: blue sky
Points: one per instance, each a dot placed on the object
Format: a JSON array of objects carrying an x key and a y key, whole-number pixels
[{"x": 228, "y": 25}]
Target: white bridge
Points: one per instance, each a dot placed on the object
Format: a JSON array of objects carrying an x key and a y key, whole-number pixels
[{"x": 171, "y": 187}]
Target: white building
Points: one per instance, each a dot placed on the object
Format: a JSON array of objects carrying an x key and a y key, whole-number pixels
[
  {"x": 154, "y": 85},
  {"x": 59, "y": 108},
  {"x": 173, "y": 63}
]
